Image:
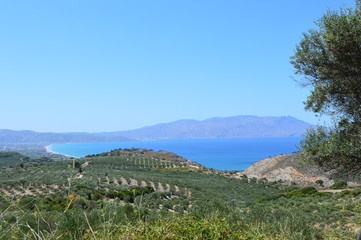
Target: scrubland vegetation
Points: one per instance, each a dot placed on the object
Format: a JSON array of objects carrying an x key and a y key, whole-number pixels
[
  {"x": 134, "y": 197},
  {"x": 115, "y": 196}
]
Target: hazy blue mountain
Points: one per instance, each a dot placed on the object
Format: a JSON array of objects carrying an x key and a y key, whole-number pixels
[
  {"x": 25, "y": 136},
  {"x": 227, "y": 127},
  {"x": 218, "y": 127}
]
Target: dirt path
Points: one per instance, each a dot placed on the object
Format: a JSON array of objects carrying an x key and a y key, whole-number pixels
[
  {"x": 7, "y": 193},
  {"x": 28, "y": 192},
  {"x": 78, "y": 176},
  {"x": 16, "y": 192},
  {"x": 153, "y": 186},
  {"x": 160, "y": 187},
  {"x": 187, "y": 193},
  {"x": 124, "y": 181},
  {"x": 143, "y": 184},
  {"x": 334, "y": 190},
  {"x": 84, "y": 164},
  {"x": 115, "y": 181},
  {"x": 133, "y": 182}
]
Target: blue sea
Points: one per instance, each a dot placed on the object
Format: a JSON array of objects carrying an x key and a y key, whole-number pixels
[{"x": 218, "y": 153}]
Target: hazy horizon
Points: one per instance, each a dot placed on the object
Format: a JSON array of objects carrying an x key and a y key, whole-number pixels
[
  {"x": 198, "y": 120},
  {"x": 89, "y": 66}
]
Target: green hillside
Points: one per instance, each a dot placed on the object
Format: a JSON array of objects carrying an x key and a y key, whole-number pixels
[
  {"x": 11, "y": 158},
  {"x": 119, "y": 195}
]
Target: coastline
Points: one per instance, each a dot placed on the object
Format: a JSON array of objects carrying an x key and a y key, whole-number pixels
[
  {"x": 49, "y": 150},
  {"x": 228, "y": 154}
]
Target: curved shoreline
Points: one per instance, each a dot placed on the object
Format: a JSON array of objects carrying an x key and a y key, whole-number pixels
[
  {"x": 221, "y": 154},
  {"x": 49, "y": 150}
]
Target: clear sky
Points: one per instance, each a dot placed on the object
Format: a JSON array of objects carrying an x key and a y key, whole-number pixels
[{"x": 95, "y": 66}]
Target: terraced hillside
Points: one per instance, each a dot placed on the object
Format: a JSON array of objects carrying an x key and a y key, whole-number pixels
[
  {"x": 141, "y": 194},
  {"x": 11, "y": 159},
  {"x": 94, "y": 175}
]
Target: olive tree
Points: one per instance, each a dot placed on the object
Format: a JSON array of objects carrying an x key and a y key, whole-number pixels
[{"x": 329, "y": 60}]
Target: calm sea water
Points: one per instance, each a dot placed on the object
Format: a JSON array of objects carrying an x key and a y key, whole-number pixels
[{"x": 219, "y": 153}]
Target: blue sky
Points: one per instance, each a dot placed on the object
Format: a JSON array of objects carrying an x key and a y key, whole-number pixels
[{"x": 95, "y": 66}]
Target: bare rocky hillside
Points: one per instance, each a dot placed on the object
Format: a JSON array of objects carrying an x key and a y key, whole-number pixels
[{"x": 291, "y": 168}]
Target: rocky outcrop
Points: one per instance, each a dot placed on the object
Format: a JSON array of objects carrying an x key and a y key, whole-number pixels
[{"x": 289, "y": 168}]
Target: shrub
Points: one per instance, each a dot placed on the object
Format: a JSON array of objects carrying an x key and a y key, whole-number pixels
[
  {"x": 79, "y": 186},
  {"x": 301, "y": 192},
  {"x": 319, "y": 182},
  {"x": 339, "y": 185}
]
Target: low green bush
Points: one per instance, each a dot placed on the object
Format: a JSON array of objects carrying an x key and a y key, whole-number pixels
[
  {"x": 301, "y": 192},
  {"x": 339, "y": 185}
]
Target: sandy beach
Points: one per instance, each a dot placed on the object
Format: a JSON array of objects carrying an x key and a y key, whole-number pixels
[{"x": 48, "y": 149}]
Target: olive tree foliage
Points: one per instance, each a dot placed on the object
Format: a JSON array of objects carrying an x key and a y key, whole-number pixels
[{"x": 329, "y": 60}]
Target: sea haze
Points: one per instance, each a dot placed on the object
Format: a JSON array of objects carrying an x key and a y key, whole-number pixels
[
  {"x": 222, "y": 127},
  {"x": 217, "y": 153},
  {"x": 217, "y": 127}
]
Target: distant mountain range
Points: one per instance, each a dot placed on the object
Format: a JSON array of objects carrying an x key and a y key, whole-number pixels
[
  {"x": 25, "y": 136},
  {"x": 227, "y": 127},
  {"x": 222, "y": 127}
]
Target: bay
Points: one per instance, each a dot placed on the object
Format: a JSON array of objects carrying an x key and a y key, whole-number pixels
[{"x": 216, "y": 153}]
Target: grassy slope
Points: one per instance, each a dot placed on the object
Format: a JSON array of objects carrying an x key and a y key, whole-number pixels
[
  {"x": 187, "y": 203},
  {"x": 10, "y": 159}
]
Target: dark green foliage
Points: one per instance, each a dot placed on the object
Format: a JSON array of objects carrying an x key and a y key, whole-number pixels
[
  {"x": 339, "y": 185},
  {"x": 56, "y": 203},
  {"x": 350, "y": 193},
  {"x": 77, "y": 164},
  {"x": 338, "y": 148},
  {"x": 329, "y": 58},
  {"x": 319, "y": 182},
  {"x": 130, "y": 194},
  {"x": 80, "y": 186},
  {"x": 301, "y": 192},
  {"x": 8, "y": 159}
]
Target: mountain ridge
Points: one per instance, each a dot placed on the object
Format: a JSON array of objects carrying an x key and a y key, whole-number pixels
[
  {"x": 27, "y": 136},
  {"x": 215, "y": 127},
  {"x": 222, "y": 127}
]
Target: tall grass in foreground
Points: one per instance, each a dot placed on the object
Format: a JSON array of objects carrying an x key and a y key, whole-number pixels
[
  {"x": 198, "y": 205},
  {"x": 211, "y": 220}
]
